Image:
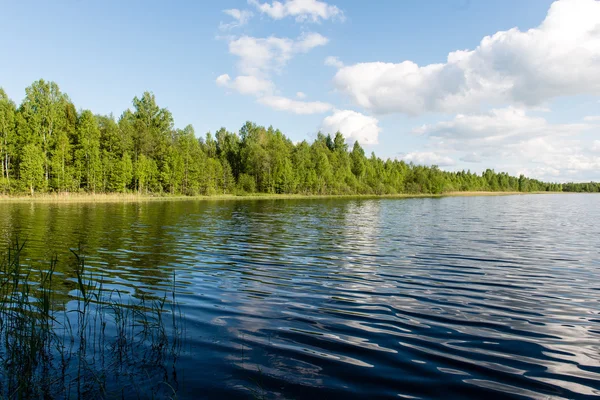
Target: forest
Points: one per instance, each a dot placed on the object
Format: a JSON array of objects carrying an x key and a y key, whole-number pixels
[{"x": 48, "y": 146}]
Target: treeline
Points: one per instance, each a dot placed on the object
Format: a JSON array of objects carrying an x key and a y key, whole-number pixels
[
  {"x": 589, "y": 187},
  {"x": 47, "y": 145}
]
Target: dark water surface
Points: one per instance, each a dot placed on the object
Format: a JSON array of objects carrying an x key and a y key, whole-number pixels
[{"x": 465, "y": 297}]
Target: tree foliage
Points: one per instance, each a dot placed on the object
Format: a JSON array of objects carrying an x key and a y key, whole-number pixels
[{"x": 47, "y": 145}]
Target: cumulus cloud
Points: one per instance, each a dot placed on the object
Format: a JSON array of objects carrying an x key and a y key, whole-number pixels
[
  {"x": 302, "y": 10},
  {"x": 567, "y": 158},
  {"x": 558, "y": 58},
  {"x": 308, "y": 41},
  {"x": 223, "y": 80},
  {"x": 471, "y": 158},
  {"x": 517, "y": 142},
  {"x": 300, "y": 95},
  {"x": 334, "y": 62},
  {"x": 428, "y": 158},
  {"x": 494, "y": 130},
  {"x": 562, "y": 153},
  {"x": 353, "y": 125},
  {"x": 261, "y": 56},
  {"x": 295, "y": 106},
  {"x": 241, "y": 18},
  {"x": 592, "y": 118},
  {"x": 246, "y": 84}
]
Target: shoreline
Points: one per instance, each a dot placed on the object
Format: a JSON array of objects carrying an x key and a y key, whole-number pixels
[{"x": 135, "y": 198}]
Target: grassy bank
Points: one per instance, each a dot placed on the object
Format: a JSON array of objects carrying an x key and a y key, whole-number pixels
[
  {"x": 483, "y": 193},
  {"x": 130, "y": 197}
]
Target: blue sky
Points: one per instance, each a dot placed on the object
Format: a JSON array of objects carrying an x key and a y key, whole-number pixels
[{"x": 527, "y": 99}]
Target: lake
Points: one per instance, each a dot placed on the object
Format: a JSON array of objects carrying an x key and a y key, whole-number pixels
[{"x": 455, "y": 297}]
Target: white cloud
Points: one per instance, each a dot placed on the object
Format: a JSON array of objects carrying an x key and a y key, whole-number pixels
[
  {"x": 428, "y": 158},
  {"x": 353, "y": 125},
  {"x": 592, "y": 118},
  {"x": 516, "y": 142},
  {"x": 295, "y": 106},
  {"x": 246, "y": 84},
  {"x": 260, "y": 56},
  {"x": 558, "y": 58},
  {"x": 547, "y": 174},
  {"x": 471, "y": 158},
  {"x": 241, "y": 18},
  {"x": 568, "y": 156},
  {"x": 334, "y": 62},
  {"x": 223, "y": 80},
  {"x": 596, "y": 146},
  {"x": 302, "y": 10},
  {"x": 543, "y": 109},
  {"x": 308, "y": 41},
  {"x": 496, "y": 127}
]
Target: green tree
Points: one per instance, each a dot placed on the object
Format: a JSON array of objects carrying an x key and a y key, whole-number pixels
[
  {"x": 358, "y": 159},
  {"x": 142, "y": 173},
  {"x": 43, "y": 114},
  {"x": 143, "y": 152},
  {"x": 228, "y": 148},
  {"x": 121, "y": 174},
  {"x": 153, "y": 127},
  {"x": 62, "y": 153},
  {"x": 301, "y": 160},
  {"x": 87, "y": 151},
  {"x": 173, "y": 170},
  {"x": 7, "y": 138},
  {"x": 32, "y": 167}
]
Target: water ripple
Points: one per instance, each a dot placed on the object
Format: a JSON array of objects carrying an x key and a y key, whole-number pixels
[{"x": 419, "y": 298}]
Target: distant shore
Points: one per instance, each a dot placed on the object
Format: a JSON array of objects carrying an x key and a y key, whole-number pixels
[{"x": 132, "y": 197}]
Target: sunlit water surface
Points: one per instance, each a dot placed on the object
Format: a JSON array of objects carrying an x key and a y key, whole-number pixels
[{"x": 415, "y": 298}]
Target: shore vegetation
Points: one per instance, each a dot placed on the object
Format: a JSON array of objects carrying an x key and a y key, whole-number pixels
[{"x": 49, "y": 146}]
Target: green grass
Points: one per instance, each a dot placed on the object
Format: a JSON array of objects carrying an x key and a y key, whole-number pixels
[
  {"x": 130, "y": 197},
  {"x": 98, "y": 344}
]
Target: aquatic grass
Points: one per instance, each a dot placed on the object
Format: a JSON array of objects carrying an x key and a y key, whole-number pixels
[{"x": 99, "y": 344}]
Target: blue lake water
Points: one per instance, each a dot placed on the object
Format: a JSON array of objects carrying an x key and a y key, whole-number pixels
[{"x": 458, "y": 297}]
